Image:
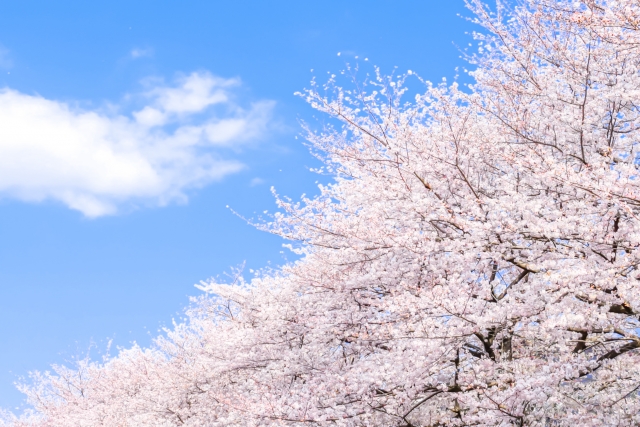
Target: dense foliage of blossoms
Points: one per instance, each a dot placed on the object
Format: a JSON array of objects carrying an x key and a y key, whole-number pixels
[{"x": 475, "y": 262}]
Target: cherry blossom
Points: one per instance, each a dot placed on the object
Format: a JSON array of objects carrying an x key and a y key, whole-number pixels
[{"x": 475, "y": 261}]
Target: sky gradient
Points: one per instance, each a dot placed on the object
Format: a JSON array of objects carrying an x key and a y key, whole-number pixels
[{"x": 127, "y": 128}]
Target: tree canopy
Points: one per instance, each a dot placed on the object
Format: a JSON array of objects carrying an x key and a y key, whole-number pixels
[{"x": 474, "y": 263}]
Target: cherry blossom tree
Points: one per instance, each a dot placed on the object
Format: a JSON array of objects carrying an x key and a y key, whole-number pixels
[{"x": 475, "y": 262}]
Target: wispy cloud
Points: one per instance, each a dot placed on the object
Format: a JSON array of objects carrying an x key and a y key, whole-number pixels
[
  {"x": 5, "y": 58},
  {"x": 98, "y": 163},
  {"x": 141, "y": 53},
  {"x": 256, "y": 181}
]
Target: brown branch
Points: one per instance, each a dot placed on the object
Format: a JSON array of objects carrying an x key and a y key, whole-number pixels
[
  {"x": 582, "y": 344},
  {"x": 487, "y": 342}
]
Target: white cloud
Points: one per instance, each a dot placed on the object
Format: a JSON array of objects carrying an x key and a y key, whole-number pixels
[
  {"x": 194, "y": 93},
  {"x": 98, "y": 163}
]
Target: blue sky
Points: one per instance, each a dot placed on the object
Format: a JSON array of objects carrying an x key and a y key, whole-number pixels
[{"x": 126, "y": 128}]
